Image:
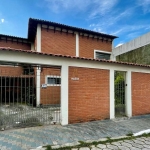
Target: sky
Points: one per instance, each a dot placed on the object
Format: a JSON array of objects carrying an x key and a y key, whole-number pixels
[{"x": 126, "y": 19}]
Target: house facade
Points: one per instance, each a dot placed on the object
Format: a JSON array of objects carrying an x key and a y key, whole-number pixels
[
  {"x": 49, "y": 37},
  {"x": 68, "y": 71}
]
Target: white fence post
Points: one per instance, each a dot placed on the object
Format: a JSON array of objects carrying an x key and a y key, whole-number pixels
[
  {"x": 38, "y": 86},
  {"x": 112, "y": 97},
  {"x": 128, "y": 94},
  {"x": 64, "y": 94}
]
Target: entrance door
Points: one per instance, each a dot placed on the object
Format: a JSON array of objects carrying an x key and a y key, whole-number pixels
[{"x": 120, "y": 102}]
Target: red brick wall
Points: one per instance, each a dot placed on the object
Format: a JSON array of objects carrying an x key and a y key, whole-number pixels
[
  {"x": 10, "y": 71},
  {"x": 58, "y": 42},
  {"x": 140, "y": 93},
  {"x": 51, "y": 94},
  {"x": 19, "y": 45},
  {"x": 87, "y": 46},
  {"x": 88, "y": 96}
]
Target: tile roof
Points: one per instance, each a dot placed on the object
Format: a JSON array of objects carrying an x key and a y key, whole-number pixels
[
  {"x": 32, "y": 25},
  {"x": 72, "y": 57},
  {"x": 15, "y": 37}
]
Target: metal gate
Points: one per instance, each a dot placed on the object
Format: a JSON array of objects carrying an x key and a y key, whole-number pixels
[
  {"x": 120, "y": 84},
  {"x": 18, "y": 95}
]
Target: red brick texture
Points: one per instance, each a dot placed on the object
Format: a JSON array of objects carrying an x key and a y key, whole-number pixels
[
  {"x": 58, "y": 42},
  {"x": 140, "y": 93},
  {"x": 88, "y": 96},
  {"x": 51, "y": 94},
  {"x": 11, "y": 71},
  {"x": 88, "y": 45},
  {"x": 15, "y": 45}
]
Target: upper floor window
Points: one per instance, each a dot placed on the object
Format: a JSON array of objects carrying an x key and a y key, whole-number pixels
[{"x": 101, "y": 55}]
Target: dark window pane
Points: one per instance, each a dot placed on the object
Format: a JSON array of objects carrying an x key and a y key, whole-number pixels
[
  {"x": 52, "y": 80},
  {"x": 100, "y": 55}
]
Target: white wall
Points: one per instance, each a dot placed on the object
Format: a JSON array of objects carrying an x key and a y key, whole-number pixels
[
  {"x": 134, "y": 44},
  {"x": 64, "y": 62},
  {"x": 38, "y": 70}
]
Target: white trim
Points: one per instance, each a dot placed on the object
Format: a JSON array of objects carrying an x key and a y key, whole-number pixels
[
  {"x": 53, "y": 76},
  {"x": 32, "y": 46},
  {"x": 77, "y": 44},
  {"x": 38, "y": 38},
  {"x": 112, "y": 45},
  {"x": 30, "y": 58},
  {"x": 38, "y": 85},
  {"x": 64, "y": 94},
  {"x": 112, "y": 57},
  {"x": 112, "y": 96},
  {"x": 38, "y": 72},
  {"x": 128, "y": 95},
  {"x": 100, "y": 51}
]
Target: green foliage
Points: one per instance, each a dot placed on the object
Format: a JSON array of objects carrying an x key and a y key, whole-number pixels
[
  {"x": 119, "y": 88},
  {"x": 140, "y": 56},
  {"x": 129, "y": 134},
  {"x": 48, "y": 147}
]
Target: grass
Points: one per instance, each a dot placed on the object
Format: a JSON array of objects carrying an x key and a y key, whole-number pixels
[
  {"x": 95, "y": 143},
  {"x": 129, "y": 134}
]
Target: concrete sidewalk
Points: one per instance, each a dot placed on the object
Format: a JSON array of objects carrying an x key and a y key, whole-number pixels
[{"x": 25, "y": 139}]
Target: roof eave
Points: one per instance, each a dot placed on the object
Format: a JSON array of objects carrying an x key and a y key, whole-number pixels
[{"x": 32, "y": 25}]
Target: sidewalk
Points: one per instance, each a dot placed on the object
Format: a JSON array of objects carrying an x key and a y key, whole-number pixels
[{"x": 25, "y": 139}]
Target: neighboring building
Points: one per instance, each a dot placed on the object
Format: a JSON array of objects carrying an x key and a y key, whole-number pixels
[{"x": 135, "y": 51}]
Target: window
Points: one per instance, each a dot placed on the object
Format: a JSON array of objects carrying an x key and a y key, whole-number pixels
[
  {"x": 53, "y": 80},
  {"x": 102, "y": 55}
]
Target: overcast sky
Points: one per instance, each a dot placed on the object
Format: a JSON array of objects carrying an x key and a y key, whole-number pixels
[{"x": 126, "y": 19}]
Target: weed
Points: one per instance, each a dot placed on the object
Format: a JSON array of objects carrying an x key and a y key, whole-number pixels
[
  {"x": 95, "y": 143},
  {"x": 48, "y": 147},
  {"x": 129, "y": 134}
]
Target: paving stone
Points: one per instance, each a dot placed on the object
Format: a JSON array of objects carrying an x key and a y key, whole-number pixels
[
  {"x": 116, "y": 143},
  {"x": 129, "y": 141},
  {"x": 140, "y": 139},
  {"x": 123, "y": 148},
  {"x": 95, "y": 148},
  {"x": 146, "y": 146},
  {"x": 84, "y": 148},
  {"x": 139, "y": 142},
  {"x": 135, "y": 148},
  {"x": 145, "y": 138},
  {"x": 137, "y": 145},
  {"x": 101, "y": 146},
  {"x": 147, "y": 142},
  {"x": 126, "y": 144},
  {"x": 112, "y": 146}
]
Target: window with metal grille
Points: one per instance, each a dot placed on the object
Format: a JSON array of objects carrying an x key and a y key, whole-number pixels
[
  {"x": 53, "y": 80},
  {"x": 101, "y": 55}
]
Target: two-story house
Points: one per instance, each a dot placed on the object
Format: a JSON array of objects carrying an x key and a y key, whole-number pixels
[
  {"x": 64, "y": 72},
  {"x": 50, "y": 37}
]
